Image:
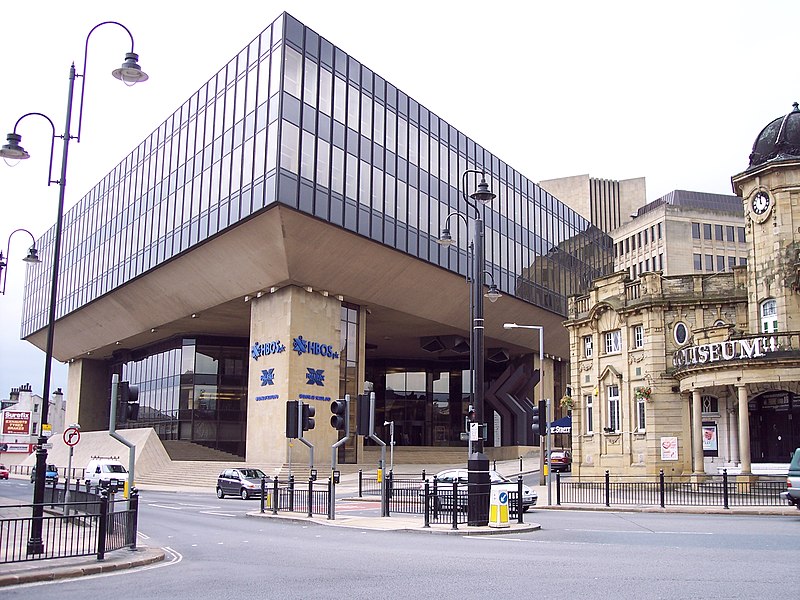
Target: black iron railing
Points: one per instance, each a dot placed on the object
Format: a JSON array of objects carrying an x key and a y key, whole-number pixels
[
  {"x": 666, "y": 491},
  {"x": 70, "y": 529}
]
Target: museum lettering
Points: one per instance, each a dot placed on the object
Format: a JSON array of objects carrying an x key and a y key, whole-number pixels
[{"x": 723, "y": 351}]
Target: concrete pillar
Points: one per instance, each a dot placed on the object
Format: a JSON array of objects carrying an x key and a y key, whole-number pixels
[
  {"x": 733, "y": 431},
  {"x": 88, "y": 394},
  {"x": 294, "y": 355},
  {"x": 744, "y": 430},
  {"x": 697, "y": 434}
]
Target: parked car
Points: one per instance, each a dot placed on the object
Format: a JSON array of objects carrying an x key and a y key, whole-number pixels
[
  {"x": 100, "y": 471},
  {"x": 792, "y": 493},
  {"x": 3, "y": 472},
  {"x": 444, "y": 489},
  {"x": 242, "y": 482},
  {"x": 50, "y": 474},
  {"x": 560, "y": 460}
]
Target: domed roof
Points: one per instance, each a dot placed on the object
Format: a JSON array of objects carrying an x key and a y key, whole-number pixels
[{"x": 778, "y": 140}]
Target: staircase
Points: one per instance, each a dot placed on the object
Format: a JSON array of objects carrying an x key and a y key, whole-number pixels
[{"x": 185, "y": 450}]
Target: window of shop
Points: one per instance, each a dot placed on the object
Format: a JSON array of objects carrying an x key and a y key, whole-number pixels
[
  {"x": 709, "y": 404},
  {"x": 587, "y": 401},
  {"x": 588, "y": 350},
  {"x": 769, "y": 316},
  {"x": 613, "y": 341},
  {"x": 612, "y": 394}
]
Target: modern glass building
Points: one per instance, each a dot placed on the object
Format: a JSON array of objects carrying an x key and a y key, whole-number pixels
[{"x": 363, "y": 177}]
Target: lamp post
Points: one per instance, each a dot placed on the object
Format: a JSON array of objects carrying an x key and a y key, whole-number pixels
[
  {"x": 129, "y": 73},
  {"x": 32, "y": 258},
  {"x": 478, "y": 464},
  {"x": 547, "y": 416}
]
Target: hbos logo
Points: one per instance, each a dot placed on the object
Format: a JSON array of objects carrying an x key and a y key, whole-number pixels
[{"x": 302, "y": 346}]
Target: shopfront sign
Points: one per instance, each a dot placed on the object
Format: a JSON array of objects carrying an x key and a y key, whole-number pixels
[
  {"x": 724, "y": 351},
  {"x": 16, "y": 422}
]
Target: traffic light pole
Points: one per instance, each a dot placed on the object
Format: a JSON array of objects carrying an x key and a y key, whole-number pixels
[
  {"x": 300, "y": 435},
  {"x": 112, "y": 431},
  {"x": 341, "y": 442}
]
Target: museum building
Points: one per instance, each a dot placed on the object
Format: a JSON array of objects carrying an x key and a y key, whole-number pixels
[
  {"x": 275, "y": 239},
  {"x": 699, "y": 372}
]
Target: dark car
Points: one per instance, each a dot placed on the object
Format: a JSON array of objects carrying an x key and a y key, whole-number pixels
[
  {"x": 242, "y": 482},
  {"x": 3, "y": 472},
  {"x": 560, "y": 460},
  {"x": 792, "y": 493},
  {"x": 50, "y": 474}
]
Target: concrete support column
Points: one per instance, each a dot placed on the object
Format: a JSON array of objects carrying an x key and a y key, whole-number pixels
[
  {"x": 698, "y": 468},
  {"x": 88, "y": 385},
  {"x": 295, "y": 337},
  {"x": 733, "y": 432},
  {"x": 744, "y": 430}
]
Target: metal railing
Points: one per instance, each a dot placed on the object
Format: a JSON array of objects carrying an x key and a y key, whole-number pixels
[
  {"x": 312, "y": 498},
  {"x": 666, "y": 491},
  {"x": 70, "y": 529}
]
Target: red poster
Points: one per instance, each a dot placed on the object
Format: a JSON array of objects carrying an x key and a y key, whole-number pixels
[{"x": 16, "y": 422}]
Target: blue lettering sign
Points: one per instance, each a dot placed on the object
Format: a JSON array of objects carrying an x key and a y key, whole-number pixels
[
  {"x": 302, "y": 346},
  {"x": 271, "y": 397},
  {"x": 266, "y": 349}
]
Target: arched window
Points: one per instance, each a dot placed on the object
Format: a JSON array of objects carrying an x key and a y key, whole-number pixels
[{"x": 769, "y": 316}]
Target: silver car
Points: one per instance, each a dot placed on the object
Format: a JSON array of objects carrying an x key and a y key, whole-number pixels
[
  {"x": 444, "y": 489},
  {"x": 242, "y": 482}
]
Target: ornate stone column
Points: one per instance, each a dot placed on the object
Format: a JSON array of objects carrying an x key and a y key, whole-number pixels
[
  {"x": 744, "y": 430},
  {"x": 698, "y": 468}
]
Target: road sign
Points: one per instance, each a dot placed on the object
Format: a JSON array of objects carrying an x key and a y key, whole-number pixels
[
  {"x": 47, "y": 429},
  {"x": 72, "y": 436},
  {"x": 47, "y": 446}
]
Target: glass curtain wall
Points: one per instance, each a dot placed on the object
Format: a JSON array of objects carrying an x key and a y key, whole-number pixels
[
  {"x": 195, "y": 390},
  {"x": 294, "y": 119}
]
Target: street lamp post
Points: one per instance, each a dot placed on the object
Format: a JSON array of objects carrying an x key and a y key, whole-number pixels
[
  {"x": 129, "y": 73},
  {"x": 541, "y": 376},
  {"x": 478, "y": 464},
  {"x": 32, "y": 258}
]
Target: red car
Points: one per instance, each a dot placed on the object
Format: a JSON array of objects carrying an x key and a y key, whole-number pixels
[
  {"x": 560, "y": 460},
  {"x": 3, "y": 472}
]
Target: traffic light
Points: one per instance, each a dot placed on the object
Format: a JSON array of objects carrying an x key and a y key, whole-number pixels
[
  {"x": 364, "y": 415},
  {"x": 539, "y": 418},
  {"x": 308, "y": 417},
  {"x": 129, "y": 400},
  {"x": 291, "y": 418},
  {"x": 339, "y": 415}
]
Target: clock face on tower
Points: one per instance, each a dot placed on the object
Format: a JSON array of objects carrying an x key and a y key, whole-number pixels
[{"x": 761, "y": 204}]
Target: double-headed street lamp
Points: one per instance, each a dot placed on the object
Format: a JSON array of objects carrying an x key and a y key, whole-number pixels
[
  {"x": 129, "y": 73},
  {"x": 32, "y": 258},
  {"x": 478, "y": 465}
]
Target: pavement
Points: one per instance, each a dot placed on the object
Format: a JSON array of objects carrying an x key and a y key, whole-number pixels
[{"x": 347, "y": 491}]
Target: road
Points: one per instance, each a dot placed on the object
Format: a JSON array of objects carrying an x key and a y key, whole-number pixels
[{"x": 217, "y": 552}]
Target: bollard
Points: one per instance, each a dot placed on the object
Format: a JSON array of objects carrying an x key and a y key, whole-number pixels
[
  {"x": 455, "y": 504},
  {"x": 331, "y": 499},
  {"x": 310, "y": 494},
  {"x": 661, "y": 489},
  {"x": 558, "y": 488},
  {"x": 520, "y": 464},
  {"x": 436, "y": 502},
  {"x": 263, "y": 492},
  {"x": 608, "y": 489},
  {"x": 427, "y": 499},
  {"x": 291, "y": 493},
  {"x": 519, "y": 500},
  {"x": 725, "y": 488},
  {"x": 102, "y": 526},
  {"x": 360, "y": 483},
  {"x": 423, "y": 474},
  {"x": 133, "y": 520},
  {"x": 275, "y": 496}
]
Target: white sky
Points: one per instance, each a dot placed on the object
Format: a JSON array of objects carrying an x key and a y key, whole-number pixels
[{"x": 674, "y": 92}]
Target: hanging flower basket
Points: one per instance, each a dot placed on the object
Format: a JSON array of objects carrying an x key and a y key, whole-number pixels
[
  {"x": 567, "y": 402},
  {"x": 644, "y": 393}
]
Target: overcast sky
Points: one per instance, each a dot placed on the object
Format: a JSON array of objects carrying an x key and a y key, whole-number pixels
[{"x": 675, "y": 92}]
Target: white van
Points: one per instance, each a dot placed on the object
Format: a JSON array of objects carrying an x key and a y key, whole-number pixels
[{"x": 104, "y": 470}]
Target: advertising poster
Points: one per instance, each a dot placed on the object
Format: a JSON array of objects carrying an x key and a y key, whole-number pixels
[
  {"x": 710, "y": 439},
  {"x": 669, "y": 448},
  {"x": 16, "y": 422}
]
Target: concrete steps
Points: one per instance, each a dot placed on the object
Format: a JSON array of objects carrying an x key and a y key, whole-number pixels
[{"x": 186, "y": 451}]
